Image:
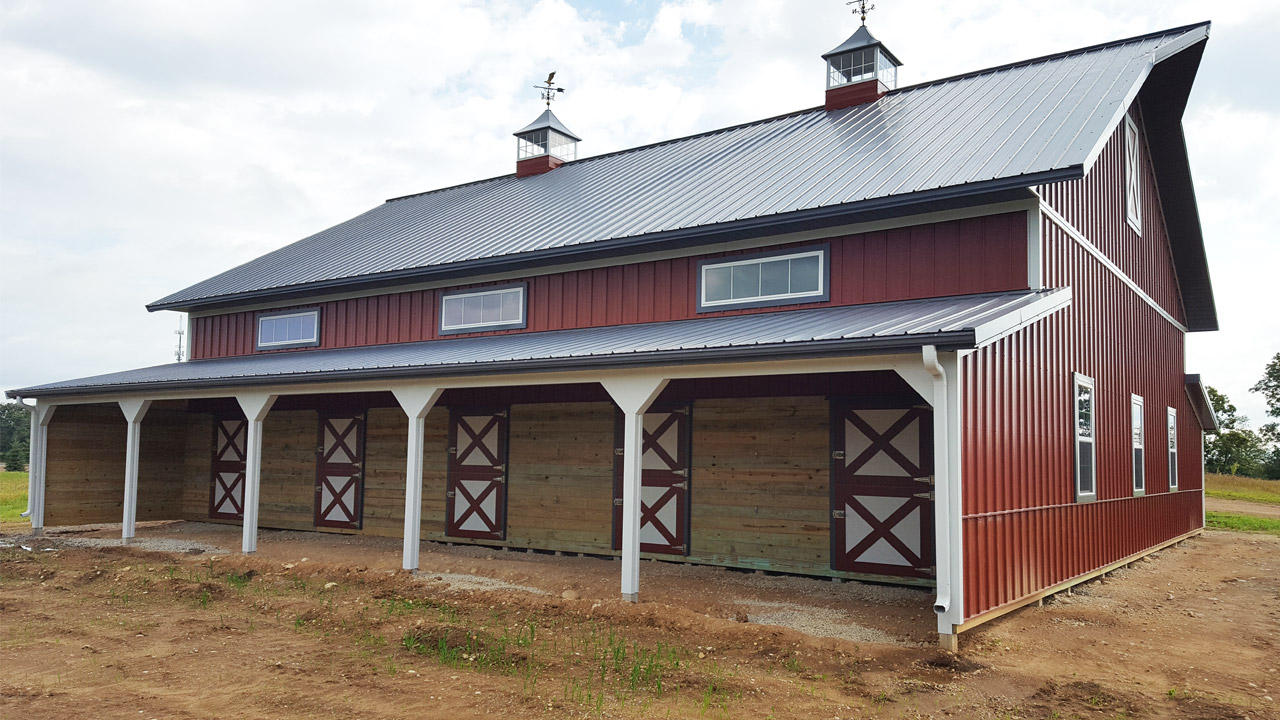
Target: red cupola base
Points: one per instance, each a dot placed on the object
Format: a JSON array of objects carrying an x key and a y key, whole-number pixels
[
  {"x": 856, "y": 94},
  {"x": 537, "y": 165}
]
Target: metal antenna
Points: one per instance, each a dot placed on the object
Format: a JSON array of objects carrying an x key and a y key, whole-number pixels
[
  {"x": 549, "y": 89},
  {"x": 863, "y": 9},
  {"x": 181, "y": 349}
]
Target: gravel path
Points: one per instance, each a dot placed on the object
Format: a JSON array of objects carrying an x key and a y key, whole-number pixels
[
  {"x": 816, "y": 621},
  {"x": 459, "y": 581}
]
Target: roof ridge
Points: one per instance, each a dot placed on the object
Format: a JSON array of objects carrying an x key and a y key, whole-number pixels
[{"x": 730, "y": 128}]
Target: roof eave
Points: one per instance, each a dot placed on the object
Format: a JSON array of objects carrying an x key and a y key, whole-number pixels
[{"x": 968, "y": 195}]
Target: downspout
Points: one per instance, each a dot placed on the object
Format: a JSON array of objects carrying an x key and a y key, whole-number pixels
[
  {"x": 942, "y": 479},
  {"x": 31, "y": 490}
]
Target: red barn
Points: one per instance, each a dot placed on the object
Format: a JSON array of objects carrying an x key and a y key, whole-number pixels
[{"x": 929, "y": 335}]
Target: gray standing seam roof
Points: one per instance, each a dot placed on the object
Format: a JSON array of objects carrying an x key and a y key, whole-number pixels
[
  {"x": 1025, "y": 124},
  {"x": 957, "y": 321}
]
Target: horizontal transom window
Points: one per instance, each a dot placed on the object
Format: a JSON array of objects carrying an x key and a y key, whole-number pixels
[
  {"x": 294, "y": 328},
  {"x": 473, "y": 311},
  {"x": 761, "y": 280}
]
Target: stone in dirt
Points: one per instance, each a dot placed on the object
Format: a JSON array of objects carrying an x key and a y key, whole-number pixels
[{"x": 569, "y": 594}]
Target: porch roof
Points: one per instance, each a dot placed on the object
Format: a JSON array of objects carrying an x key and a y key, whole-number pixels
[{"x": 954, "y": 322}]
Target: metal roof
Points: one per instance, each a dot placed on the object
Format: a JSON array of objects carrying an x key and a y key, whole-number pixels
[
  {"x": 953, "y": 322},
  {"x": 860, "y": 39},
  {"x": 1198, "y": 394},
  {"x": 547, "y": 120},
  {"x": 1014, "y": 126}
]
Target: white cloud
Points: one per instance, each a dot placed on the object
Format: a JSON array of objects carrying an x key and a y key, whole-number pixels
[{"x": 146, "y": 145}]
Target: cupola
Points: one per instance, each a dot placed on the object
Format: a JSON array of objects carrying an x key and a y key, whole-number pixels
[
  {"x": 859, "y": 70},
  {"x": 545, "y": 144}
]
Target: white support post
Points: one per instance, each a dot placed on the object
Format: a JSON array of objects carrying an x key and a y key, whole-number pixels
[
  {"x": 945, "y": 398},
  {"x": 134, "y": 410},
  {"x": 255, "y": 407},
  {"x": 41, "y": 415},
  {"x": 633, "y": 395},
  {"x": 416, "y": 403}
]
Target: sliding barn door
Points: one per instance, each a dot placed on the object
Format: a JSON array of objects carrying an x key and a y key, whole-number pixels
[
  {"x": 664, "y": 482},
  {"x": 881, "y": 490},
  {"x": 476, "y": 498},
  {"x": 226, "y": 481},
  {"x": 340, "y": 471}
]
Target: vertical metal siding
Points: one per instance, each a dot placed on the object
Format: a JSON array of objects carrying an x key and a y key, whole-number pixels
[
  {"x": 976, "y": 255},
  {"x": 1023, "y": 530},
  {"x": 1096, "y": 207}
]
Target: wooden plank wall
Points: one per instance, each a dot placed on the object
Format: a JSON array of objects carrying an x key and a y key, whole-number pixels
[{"x": 85, "y": 474}]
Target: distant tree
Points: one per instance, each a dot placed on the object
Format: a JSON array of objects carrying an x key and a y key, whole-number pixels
[
  {"x": 1269, "y": 386},
  {"x": 15, "y": 426},
  {"x": 1234, "y": 449},
  {"x": 15, "y": 458}
]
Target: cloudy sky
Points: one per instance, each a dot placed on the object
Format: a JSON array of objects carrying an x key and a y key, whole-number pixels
[{"x": 148, "y": 144}]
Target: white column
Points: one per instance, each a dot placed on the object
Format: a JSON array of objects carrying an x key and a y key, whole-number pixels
[
  {"x": 41, "y": 415},
  {"x": 416, "y": 403},
  {"x": 255, "y": 407},
  {"x": 633, "y": 395},
  {"x": 945, "y": 398},
  {"x": 134, "y": 410}
]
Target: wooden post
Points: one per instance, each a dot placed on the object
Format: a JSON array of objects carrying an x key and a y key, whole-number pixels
[
  {"x": 134, "y": 410},
  {"x": 255, "y": 407},
  {"x": 633, "y": 395},
  {"x": 416, "y": 403}
]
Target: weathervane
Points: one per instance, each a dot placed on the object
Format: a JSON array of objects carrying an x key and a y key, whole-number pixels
[
  {"x": 863, "y": 9},
  {"x": 549, "y": 89}
]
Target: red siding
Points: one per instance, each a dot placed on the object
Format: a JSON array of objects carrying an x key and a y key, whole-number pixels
[
  {"x": 987, "y": 254},
  {"x": 1096, "y": 207},
  {"x": 1023, "y": 530}
]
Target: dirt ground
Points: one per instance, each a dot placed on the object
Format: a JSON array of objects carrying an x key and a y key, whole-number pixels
[
  {"x": 1242, "y": 507},
  {"x": 325, "y": 626}
]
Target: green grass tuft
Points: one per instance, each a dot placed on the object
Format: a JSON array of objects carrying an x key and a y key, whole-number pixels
[
  {"x": 13, "y": 496},
  {"x": 1242, "y": 523}
]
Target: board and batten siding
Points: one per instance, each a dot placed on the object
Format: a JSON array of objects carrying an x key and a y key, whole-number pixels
[
  {"x": 976, "y": 255},
  {"x": 1023, "y": 530},
  {"x": 86, "y": 458}
]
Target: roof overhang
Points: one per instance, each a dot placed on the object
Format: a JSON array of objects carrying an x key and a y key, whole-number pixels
[
  {"x": 1201, "y": 404},
  {"x": 948, "y": 323}
]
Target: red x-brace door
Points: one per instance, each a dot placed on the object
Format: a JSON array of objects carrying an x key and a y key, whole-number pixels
[
  {"x": 226, "y": 481},
  {"x": 664, "y": 482},
  {"x": 476, "y": 497},
  {"x": 881, "y": 490},
  {"x": 340, "y": 471}
]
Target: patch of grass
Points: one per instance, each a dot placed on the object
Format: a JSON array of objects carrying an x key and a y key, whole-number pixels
[
  {"x": 1242, "y": 523},
  {"x": 1232, "y": 487},
  {"x": 13, "y": 496}
]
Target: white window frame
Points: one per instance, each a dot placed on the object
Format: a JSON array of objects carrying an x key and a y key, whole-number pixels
[
  {"x": 1172, "y": 446},
  {"x": 517, "y": 324},
  {"x": 1132, "y": 174},
  {"x": 822, "y": 294},
  {"x": 285, "y": 315},
  {"x": 1138, "y": 432},
  {"x": 1078, "y": 382}
]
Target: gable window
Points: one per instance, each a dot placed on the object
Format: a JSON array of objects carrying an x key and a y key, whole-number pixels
[
  {"x": 480, "y": 310},
  {"x": 1086, "y": 453},
  {"x": 289, "y": 329},
  {"x": 1173, "y": 449},
  {"x": 1132, "y": 175},
  {"x": 763, "y": 280},
  {"x": 1137, "y": 424}
]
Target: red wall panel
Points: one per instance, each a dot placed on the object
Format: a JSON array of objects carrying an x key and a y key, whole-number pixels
[
  {"x": 986, "y": 254},
  {"x": 1023, "y": 529},
  {"x": 1096, "y": 207}
]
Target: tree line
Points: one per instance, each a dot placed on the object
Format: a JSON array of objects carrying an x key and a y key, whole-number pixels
[
  {"x": 15, "y": 436},
  {"x": 1236, "y": 449}
]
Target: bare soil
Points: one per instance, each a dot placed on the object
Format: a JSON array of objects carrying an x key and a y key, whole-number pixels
[
  {"x": 327, "y": 626},
  {"x": 1242, "y": 507}
]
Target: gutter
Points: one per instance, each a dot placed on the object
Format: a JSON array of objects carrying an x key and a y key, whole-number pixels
[
  {"x": 942, "y": 482},
  {"x": 962, "y": 339}
]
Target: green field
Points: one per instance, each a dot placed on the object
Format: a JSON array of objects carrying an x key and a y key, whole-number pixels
[
  {"x": 1231, "y": 487},
  {"x": 1242, "y": 523},
  {"x": 13, "y": 496}
]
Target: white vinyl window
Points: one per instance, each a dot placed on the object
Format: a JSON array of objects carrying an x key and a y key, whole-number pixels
[
  {"x": 764, "y": 280},
  {"x": 1173, "y": 449},
  {"x": 293, "y": 328},
  {"x": 1132, "y": 174},
  {"x": 1138, "y": 425},
  {"x": 480, "y": 310},
  {"x": 1085, "y": 433}
]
